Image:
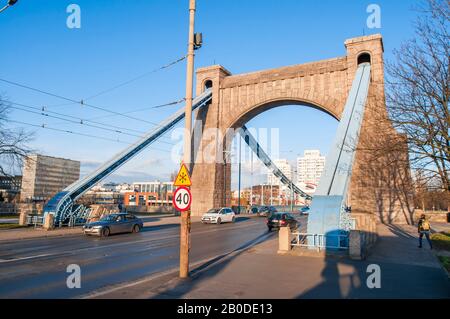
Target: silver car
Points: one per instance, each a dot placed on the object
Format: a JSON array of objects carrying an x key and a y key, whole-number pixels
[{"x": 114, "y": 224}]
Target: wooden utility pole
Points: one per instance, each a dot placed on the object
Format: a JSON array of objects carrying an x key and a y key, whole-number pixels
[{"x": 186, "y": 216}]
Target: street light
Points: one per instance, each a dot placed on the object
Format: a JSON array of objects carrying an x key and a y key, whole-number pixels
[
  {"x": 225, "y": 155},
  {"x": 10, "y": 3}
]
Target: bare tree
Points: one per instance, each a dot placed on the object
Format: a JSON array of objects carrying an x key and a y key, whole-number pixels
[
  {"x": 13, "y": 144},
  {"x": 418, "y": 92}
]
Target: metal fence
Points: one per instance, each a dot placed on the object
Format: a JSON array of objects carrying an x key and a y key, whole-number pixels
[
  {"x": 35, "y": 220},
  {"x": 320, "y": 241}
]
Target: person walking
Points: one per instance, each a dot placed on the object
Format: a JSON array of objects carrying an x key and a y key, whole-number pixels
[{"x": 423, "y": 228}]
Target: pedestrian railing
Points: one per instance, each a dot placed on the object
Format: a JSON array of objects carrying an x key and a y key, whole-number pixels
[
  {"x": 320, "y": 241},
  {"x": 35, "y": 220}
]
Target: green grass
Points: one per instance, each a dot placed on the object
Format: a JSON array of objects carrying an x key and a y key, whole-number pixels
[
  {"x": 445, "y": 261},
  {"x": 441, "y": 241},
  {"x": 10, "y": 226},
  {"x": 9, "y": 216}
]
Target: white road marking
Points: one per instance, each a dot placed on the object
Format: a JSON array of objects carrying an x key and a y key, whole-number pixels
[{"x": 23, "y": 258}]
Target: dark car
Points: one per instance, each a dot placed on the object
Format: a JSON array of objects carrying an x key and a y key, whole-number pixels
[
  {"x": 280, "y": 219},
  {"x": 114, "y": 224},
  {"x": 266, "y": 211},
  {"x": 304, "y": 210},
  {"x": 252, "y": 209}
]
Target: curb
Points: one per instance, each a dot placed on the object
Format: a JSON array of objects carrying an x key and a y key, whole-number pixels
[
  {"x": 195, "y": 272},
  {"x": 446, "y": 272}
]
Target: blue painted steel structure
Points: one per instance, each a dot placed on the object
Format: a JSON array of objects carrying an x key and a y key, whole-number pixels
[
  {"x": 62, "y": 204},
  {"x": 256, "y": 148},
  {"x": 329, "y": 214}
]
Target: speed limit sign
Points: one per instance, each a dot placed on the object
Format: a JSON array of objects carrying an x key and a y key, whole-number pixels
[{"x": 182, "y": 199}]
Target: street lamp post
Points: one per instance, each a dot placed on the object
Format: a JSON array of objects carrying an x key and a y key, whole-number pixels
[
  {"x": 9, "y": 4},
  {"x": 225, "y": 155},
  {"x": 239, "y": 178},
  {"x": 251, "y": 179},
  {"x": 186, "y": 216}
]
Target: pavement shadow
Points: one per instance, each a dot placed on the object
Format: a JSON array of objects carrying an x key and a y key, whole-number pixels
[
  {"x": 239, "y": 219},
  {"x": 336, "y": 283},
  {"x": 159, "y": 227},
  {"x": 208, "y": 270},
  {"x": 400, "y": 273},
  {"x": 399, "y": 232}
]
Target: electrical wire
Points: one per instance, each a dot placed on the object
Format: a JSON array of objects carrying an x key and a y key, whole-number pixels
[
  {"x": 78, "y": 102},
  {"x": 136, "y": 78},
  {"x": 43, "y": 126},
  {"x": 78, "y": 121}
]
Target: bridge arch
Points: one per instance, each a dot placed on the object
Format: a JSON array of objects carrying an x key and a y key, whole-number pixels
[
  {"x": 264, "y": 106},
  {"x": 323, "y": 85}
]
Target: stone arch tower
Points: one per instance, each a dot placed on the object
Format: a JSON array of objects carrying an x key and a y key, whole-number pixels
[{"x": 324, "y": 85}]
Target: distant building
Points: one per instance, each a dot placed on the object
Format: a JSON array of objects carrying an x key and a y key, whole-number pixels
[
  {"x": 310, "y": 167},
  {"x": 150, "y": 194},
  {"x": 285, "y": 167},
  {"x": 10, "y": 188},
  {"x": 106, "y": 194},
  {"x": 44, "y": 176}
]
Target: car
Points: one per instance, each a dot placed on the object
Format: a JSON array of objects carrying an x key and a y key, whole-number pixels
[
  {"x": 281, "y": 219},
  {"x": 304, "y": 210},
  {"x": 219, "y": 216},
  {"x": 114, "y": 224},
  {"x": 266, "y": 211},
  {"x": 253, "y": 209}
]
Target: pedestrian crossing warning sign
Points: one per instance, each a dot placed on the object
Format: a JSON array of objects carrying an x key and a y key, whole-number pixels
[{"x": 183, "y": 178}]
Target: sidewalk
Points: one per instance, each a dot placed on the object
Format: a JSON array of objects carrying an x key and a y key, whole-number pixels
[
  {"x": 258, "y": 272},
  {"x": 440, "y": 227},
  {"x": 30, "y": 232}
]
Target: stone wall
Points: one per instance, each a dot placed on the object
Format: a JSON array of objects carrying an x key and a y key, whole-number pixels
[
  {"x": 433, "y": 216},
  {"x": 380, "y": 181}
]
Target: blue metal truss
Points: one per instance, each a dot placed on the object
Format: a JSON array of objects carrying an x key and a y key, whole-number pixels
[
  {"x": 329, "y": 213},
  {"x": 262, "y": 155},
  {"x": 62, "y": 204}
]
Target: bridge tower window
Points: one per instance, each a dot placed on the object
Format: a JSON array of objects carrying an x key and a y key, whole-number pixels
[
  {"x": 364, "y": 58},
  {"x": 208, "y": 84}
]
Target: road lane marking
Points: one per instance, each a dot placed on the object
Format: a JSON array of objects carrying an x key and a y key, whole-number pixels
[
  {"x": 155, "y": 276},
  {"x": 176, "y": 235},
  {"x": 23, "y": 258}
]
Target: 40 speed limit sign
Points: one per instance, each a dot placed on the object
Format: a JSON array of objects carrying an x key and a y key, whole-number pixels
[{"x": 182, "y": 199}]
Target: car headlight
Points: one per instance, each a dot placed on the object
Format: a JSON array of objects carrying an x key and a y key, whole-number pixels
[{"x": 97, "y": 227}]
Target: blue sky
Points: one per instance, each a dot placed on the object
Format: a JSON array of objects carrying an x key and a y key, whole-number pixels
[{"x": 119, "y": 40}]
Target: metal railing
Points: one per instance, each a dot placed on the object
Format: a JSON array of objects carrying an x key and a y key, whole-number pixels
[
  {"x": 35, "y": 220},
  {"x": 320, "y": 241}
]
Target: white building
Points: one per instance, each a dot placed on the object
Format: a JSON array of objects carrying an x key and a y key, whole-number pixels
[
  {"x": 310, "y": 167},
  {"x": 285, "y": 167}
]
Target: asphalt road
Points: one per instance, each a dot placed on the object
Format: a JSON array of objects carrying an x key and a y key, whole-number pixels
[{"x": 36, "y": 268}]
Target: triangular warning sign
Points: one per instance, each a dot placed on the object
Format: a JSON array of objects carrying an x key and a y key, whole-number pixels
[{"x": 183, "y": 178}]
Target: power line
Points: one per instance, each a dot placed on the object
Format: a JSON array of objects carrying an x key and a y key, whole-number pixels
[
  {"x": 77, "y": 102},
  {"x": 143, "y": 109},
  {"x": 69, "y": 132},
  {"x": 72, "y": 121},
  {"x": 136, "y": 78},
  {"x": 79, "y": 121},
  {"x": 43, "y": 126}
]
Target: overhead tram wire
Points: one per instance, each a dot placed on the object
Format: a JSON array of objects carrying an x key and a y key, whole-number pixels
[
  {"x": 127, "y": 82},
  {"x": 43, "y": 126},
  {"x": 72, "y": 121},
  {"x": 136, "y": 78},
  {"x": 77, "y": 120},
  {"x": 78, "y": 102},
  {"x": 144, "y": 109}
]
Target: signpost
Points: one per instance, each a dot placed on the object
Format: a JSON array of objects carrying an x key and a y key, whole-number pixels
[{"x": 182, "y": 199}]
